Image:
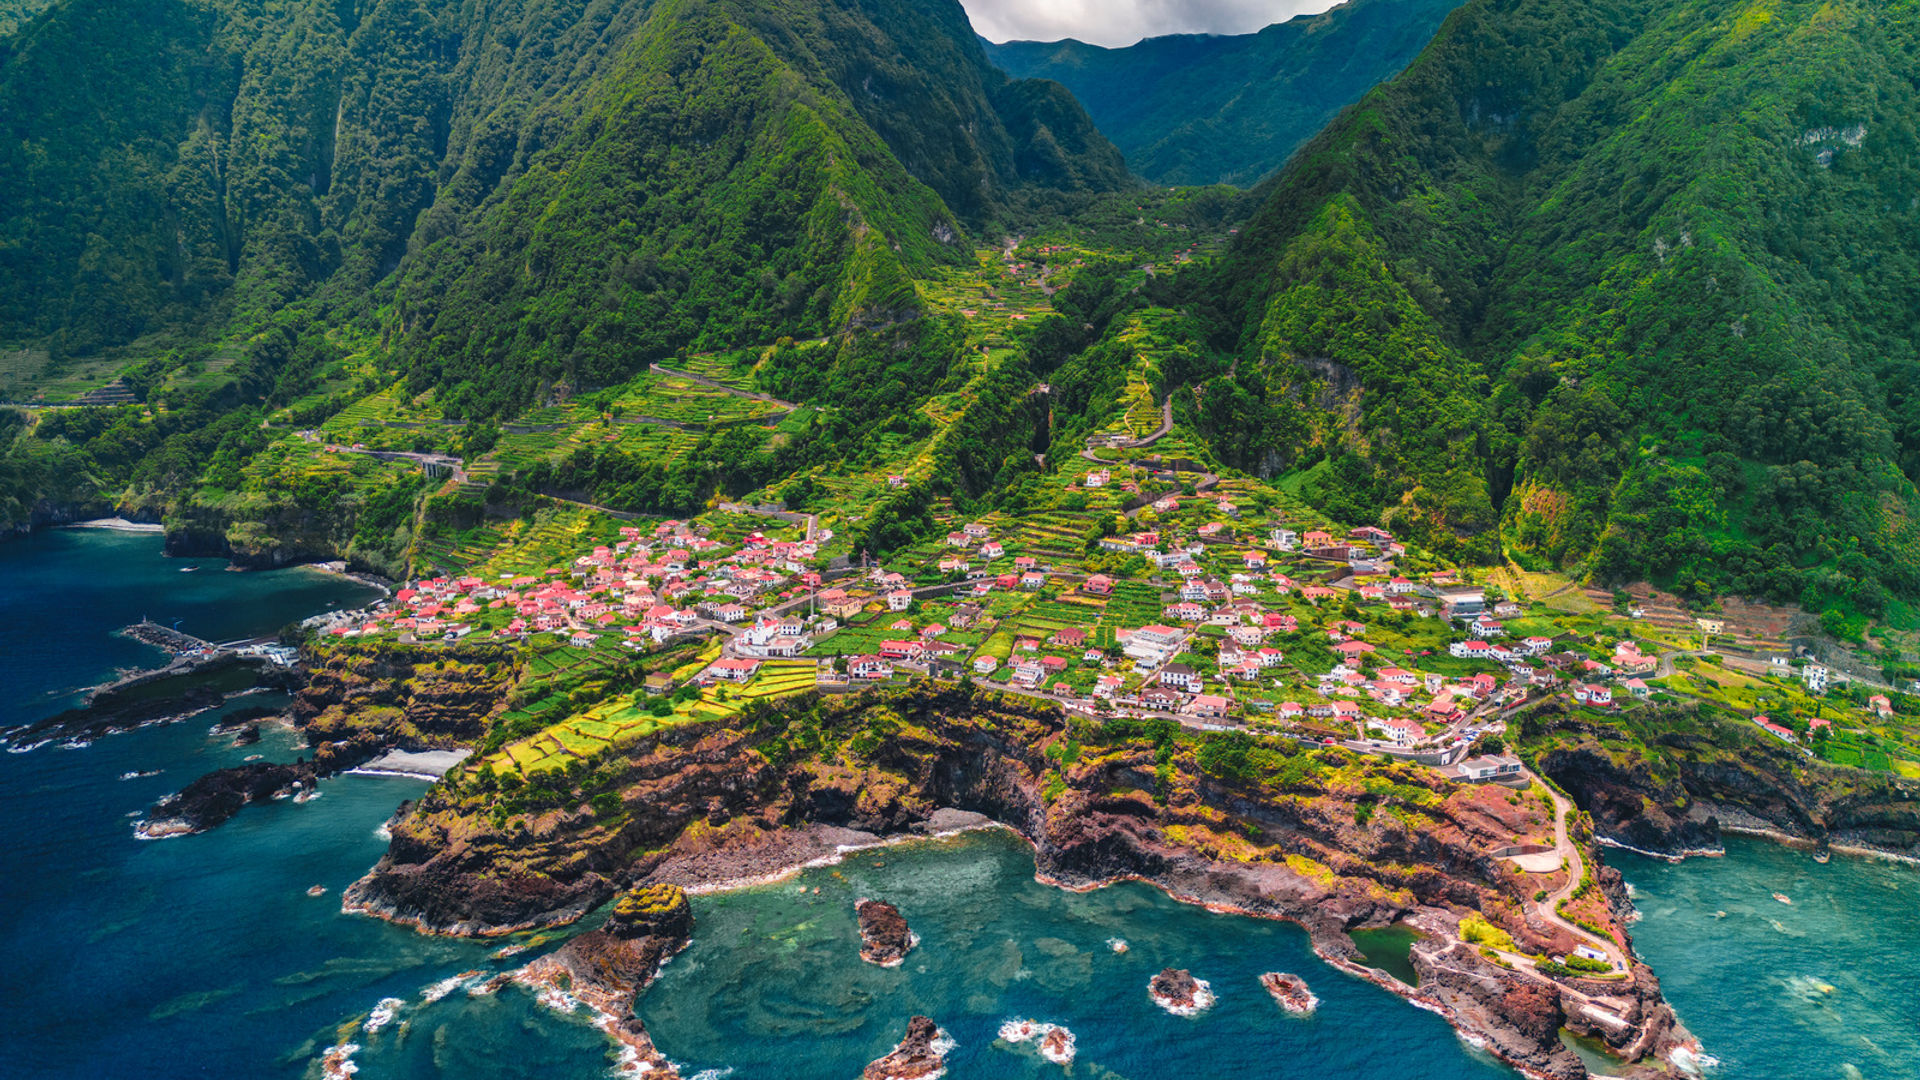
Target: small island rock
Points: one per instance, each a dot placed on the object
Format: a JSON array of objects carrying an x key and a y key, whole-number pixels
[
  {"x": 884, "y": 937},
  {"x": 1290, "y": 991},
  {"x": 922, "y": 1055},
  {"x": 1178, "y": 992}
]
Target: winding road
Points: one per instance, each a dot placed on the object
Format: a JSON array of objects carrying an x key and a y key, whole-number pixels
[{"x": 1564, "y": 846}]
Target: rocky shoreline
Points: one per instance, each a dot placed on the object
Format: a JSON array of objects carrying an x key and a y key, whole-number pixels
[
  {"x": 169, "y": 695},
  {"x": 721, "y": 814},
  {"x": 606, "y": 968}
]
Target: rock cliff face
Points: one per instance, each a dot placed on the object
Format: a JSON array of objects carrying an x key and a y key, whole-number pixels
[
  {"x": 1697, "y": 774},
  {"x": 353, "y": 704},
  {"x": 608, "y": 967},
  {"x": 357, "y": 702},
  {"x": 1332, "y": 846}
]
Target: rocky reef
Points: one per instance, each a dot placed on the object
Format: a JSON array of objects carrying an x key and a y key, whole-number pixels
[
  {"x": 606, "y": 968},
  {"x": 217, "y": 796},
  {"x": 884, "y": 937},
  {"x": 1178, "y": 992},
  {"x": 1290, "y": 992},
  {"x": 352, "y": 704},
  {"x": 921, "y": 1055},
  {"x": 177, "y": 692}
]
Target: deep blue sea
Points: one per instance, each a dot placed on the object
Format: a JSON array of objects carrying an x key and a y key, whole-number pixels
[{"x": 204, "y": 957}]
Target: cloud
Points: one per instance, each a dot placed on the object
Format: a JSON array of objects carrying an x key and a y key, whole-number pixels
[{"x": 1123, "y": 22}]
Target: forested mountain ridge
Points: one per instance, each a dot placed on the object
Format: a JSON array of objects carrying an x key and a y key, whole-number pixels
[
  {"x": 229, "y": 158},
  {"x": 1632, "y": 281},
  {"x": 1205, "y": 109}
]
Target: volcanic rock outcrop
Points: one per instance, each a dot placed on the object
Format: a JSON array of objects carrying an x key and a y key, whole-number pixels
[
  {"x": 922, "y": 1055},
  {"x": 884, "y": 937}
]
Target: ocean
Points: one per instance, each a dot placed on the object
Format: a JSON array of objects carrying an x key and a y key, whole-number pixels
[{"x": 204, "y": 957}]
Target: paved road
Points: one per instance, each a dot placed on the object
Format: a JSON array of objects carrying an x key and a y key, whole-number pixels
[
  {"x": 1564, "y": 846},
  {"x": 786, "y": 516},
  {"x": 718, "y": 385},
  {"x": 1165, "y": 428}
]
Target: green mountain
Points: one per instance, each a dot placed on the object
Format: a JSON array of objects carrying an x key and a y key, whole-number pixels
[
  {"x": 1628, "y": 282},
  {"x": 520, "y": 192},
  {"x": 1205, "y": 109},
  {"x": 15, "y": 12}
]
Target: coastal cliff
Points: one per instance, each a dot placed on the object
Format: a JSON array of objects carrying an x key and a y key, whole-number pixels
[
  {"x": 1669, "y": 780},
  {"x": 1334, "y": 842},
  {"x": 352, "y": 703},
  {"x": 607, "y": 968}
]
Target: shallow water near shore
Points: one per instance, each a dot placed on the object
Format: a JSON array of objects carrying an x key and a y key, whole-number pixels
[
  {"x": 204, "y": 957},
  {"x": 1820, "y": 988}
]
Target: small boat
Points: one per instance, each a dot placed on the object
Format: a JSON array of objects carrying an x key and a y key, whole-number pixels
[
  {"x": 1782, "y": 897},
  {"x": 317, "y": 890},
  {"x": 1822, "y": 857},
  {"x": 188, "y": 569}
]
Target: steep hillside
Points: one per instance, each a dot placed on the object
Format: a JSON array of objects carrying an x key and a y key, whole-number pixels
[
  {"x": 656, "y": 172},
  {"x": 1205, "y": 109},
  {"x": 13, "y": 13},
  {"x": 1634, "y": 278}
]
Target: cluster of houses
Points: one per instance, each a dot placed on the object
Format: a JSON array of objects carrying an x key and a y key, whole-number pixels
[{"x": 650, "y": 586}]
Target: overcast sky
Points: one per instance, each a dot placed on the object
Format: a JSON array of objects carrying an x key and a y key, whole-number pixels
[{"x": 1123, "y": 22}]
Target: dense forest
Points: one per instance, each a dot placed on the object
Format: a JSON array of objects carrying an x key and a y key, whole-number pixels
[
  {"x": 1229, "y": 109},
  {"x": 1633, "y": 279},
  {"x": 1624, "y": 287},
  {"x": 537, "y": 190}
]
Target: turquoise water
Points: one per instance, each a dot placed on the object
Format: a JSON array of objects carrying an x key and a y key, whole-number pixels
[
  {"x": 1827, "y": 988},
  {"x": 204, "y": 957},
  {"x": 773, "y": 986}
]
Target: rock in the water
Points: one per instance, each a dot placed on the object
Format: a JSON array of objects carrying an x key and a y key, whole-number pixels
[
  {"x": 884, "y": 937},
  {"x": 1056, "y": 1042},
  {"x": 217, "y": 796},
  {"x": 1291, "y": 992},
  {"x": 922, "y": 1055},
  {"x": 1178, "y": 992}
]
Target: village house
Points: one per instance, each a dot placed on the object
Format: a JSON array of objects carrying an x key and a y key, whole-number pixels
[
  {"x": 1180, "y": 676},
  {"x": 1162, "y": 699},
  {"x": 869, "y": 667},
  {"x": 985, "y": 665},
  {"x": 1600, "y": 697},
  {"x": 1098, "y": 585},
  {"x": 1209, "y": 706},
  {"x": 1492, "y": 768},
  {"x": 735, "y": 669},
  {"x": 1399, "y": 730},
  {"x": 1767, "y": 725},
  {"x": 1470, "y": 650}
]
